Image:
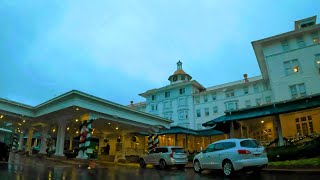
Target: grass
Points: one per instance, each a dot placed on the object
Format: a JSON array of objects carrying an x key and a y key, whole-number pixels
[{"x": 301, "y": 163}]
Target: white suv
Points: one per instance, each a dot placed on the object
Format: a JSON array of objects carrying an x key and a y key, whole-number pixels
[
  {"x": 232, "y": 155},
  {"x": 165, "y": 156}
]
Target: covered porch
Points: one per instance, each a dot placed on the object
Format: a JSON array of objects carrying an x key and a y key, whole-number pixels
[{"x": 274, "y": 124}]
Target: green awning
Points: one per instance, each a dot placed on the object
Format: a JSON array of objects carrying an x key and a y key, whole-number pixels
[
  {"x": 183, "y": 130},
  {"x": 268, "y": 110}
]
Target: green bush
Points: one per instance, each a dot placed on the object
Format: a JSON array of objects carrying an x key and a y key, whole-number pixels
[{"x": 293, "y": 152}]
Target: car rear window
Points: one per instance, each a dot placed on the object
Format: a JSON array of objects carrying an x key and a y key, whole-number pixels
[
  {"x": 249, "y": 143},
  {"x": 177, "y": 150}
]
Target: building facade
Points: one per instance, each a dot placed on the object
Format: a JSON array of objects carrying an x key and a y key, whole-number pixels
[{"x": 290, "y": 68}]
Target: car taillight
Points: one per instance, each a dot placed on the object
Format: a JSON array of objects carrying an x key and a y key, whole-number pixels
[
  {"x": 244, "y": 152},
  {"x": 171, "y": 154}
]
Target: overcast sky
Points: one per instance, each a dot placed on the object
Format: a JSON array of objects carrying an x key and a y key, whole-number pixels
[{"x": 118, "y": 49}]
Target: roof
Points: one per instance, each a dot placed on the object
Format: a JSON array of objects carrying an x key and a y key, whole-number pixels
[
  {"x": 183, "y": 130},
  {"x": 268, "y": 110},
  {"x": 179, "y": 71}
]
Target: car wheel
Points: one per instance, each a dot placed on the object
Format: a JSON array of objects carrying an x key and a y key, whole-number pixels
[
  {"x": 142, "y": 163},
  {"x": 197, "y": 166},
  {"x": 162, "y": 164},
  {"x": 227, "y": 168}
]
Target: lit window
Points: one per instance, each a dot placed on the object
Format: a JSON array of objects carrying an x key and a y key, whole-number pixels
[
  {"x": 291, "y": 67},
  {"x": 315, "y": 38}
]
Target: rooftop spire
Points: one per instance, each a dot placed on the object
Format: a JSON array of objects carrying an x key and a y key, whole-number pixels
[{"x": 179, "y": 65}]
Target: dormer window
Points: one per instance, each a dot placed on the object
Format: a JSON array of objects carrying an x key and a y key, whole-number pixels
[
  {"x": 304, "y": 23},
  {"x": 174, "y": 78},
  {"x": 182, "y": 77}
]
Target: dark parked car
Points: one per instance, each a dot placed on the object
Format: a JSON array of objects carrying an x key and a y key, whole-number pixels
[{"x": 4, "y": 152}]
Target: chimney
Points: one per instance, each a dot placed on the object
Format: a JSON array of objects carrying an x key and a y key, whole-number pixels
[
  {"x": 131, "y": 104},
  {"x": 245, "y": 78}
]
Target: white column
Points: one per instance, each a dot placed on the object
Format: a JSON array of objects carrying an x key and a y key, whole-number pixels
[
  {"x": 29, "y": 141},
  {"x": 35, "y": 143},
  {"x": 20, "y": 147},
  {"x": 60, "y": 138},
  {"x": 43, "y": 146},
  {"x": 279, "y": 129}
]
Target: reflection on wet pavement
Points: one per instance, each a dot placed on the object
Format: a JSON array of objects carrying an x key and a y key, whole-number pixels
[{"x": 31, "y": 168}]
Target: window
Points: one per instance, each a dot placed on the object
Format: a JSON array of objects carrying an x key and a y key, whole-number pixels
[
  {"x": 304, "y": 126},
  {"x": 245, "y": 90},
  {"x": 182, "y": 101},
  {"x": 285, "y": 45},
  {"x": 214, "y": 96},
  {"x": 210, "y": 148},
  {"x": 258, "y": 101},
  {"x": 297, "y": 90},
  {"x": 154, "y": 107},
  {"x": 256, "y": 88},
  {"x": 291, "y": 67},
  {"x": 182, "y": 90},
  {"x": 248, "y": 103},
  {"x": 218, "y": 147},
  {"x": 233, "y": 105},
  {"x": 317, "y": 62},
  {"x": 182, "y": 77},
  {"x": 249, "y": 144},
  {"x": 183, "y": 114},
  {"x": 198, "y": 113},
  {"x": 205, "y": 98},
  {"x": 315, "y": 38},
  {"x": 229, "y": 145},
  {"x": 197, "y": 100},
  {"x": 268, "y": 99},
  {"x": 167, "y": 94},
  {"x": 215, "y": 109},
  {"x": 230, "y": 93},
  {"x": 153, "y": 97},
  {"x": 301, "y": 42},
  {"x": 206, "y": 111}
]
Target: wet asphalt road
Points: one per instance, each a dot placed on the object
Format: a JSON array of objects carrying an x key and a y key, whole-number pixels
[{"x": 23, "y": 168}]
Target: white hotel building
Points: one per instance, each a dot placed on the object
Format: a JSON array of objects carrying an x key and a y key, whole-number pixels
[{"x": 290, "y": 67}]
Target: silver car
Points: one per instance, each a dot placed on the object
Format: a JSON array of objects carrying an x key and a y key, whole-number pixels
[
  {"x": 165, "y": 156},
  {"x": 232, "y": 155}
]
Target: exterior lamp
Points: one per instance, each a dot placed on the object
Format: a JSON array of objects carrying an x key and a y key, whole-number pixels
[
  {"x": 53, "y": 130},
  {"x": 67, "y": 128},
  {"x": 77, "y": 109},
  {"x": 117, "y": 128},
  {"x": 77, "y": 132},
  {"x": 296, "y": 69},
  {"x": 24, "y": 121},
  {"x": 1, "y": 116},
  {"x": 262, "y": 121},
  {"x": 77, "y": 120}
]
